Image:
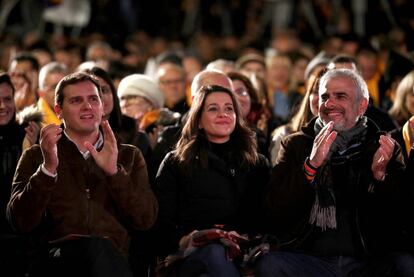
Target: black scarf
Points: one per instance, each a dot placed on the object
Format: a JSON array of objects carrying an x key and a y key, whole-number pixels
[{"x": 323, "y": 213}]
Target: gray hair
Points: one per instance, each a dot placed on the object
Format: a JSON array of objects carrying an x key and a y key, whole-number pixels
[
  {"x": 52, "y": 67},
  {"x": 362, "y": 89}
]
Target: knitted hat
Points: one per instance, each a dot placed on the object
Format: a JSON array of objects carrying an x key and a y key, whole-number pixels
[
  {"x": 250, "y": 57},
  {"x": 141, "y": 85}
]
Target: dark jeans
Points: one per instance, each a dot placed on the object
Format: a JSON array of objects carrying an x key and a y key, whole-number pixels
[
  {"x": 209, "y": 260},
  {"x": 13, "y": 255},
  {"x": 89, "y": 257},
  {"x": 298, "y": 264}
]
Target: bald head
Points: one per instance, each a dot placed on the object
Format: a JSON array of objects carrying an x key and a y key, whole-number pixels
[{"x": 209, "y": 78}]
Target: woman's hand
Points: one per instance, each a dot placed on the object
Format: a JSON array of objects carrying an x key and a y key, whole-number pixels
[{"x": 32, "y": 132}]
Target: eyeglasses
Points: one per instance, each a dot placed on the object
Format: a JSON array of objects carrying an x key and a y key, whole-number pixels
[{"x": 241, "y": 92}]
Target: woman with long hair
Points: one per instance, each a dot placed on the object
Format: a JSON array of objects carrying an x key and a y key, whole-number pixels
[
  {"x": 210, "y": 186},
  {"x": 403, "y": 107}
]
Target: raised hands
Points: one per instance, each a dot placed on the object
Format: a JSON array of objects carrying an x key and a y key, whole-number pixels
[
  {"x": 108, "y": 156},
  {"x": 322, "y": 144},
  {"x": 49, "y": 136},
  {"x": 382, "y": 156},
  {"x": 32, "y": 132}
]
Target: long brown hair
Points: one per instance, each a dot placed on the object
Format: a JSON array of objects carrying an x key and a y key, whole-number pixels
[
  {"x": 304, "y": 114},
  {"x": 193, "y": 142}
]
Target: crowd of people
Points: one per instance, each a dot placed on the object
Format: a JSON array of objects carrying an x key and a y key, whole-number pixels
[{"x": 216, "y": 158}]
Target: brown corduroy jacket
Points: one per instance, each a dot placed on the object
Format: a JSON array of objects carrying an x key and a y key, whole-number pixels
[{"x": 82, "y": 200}]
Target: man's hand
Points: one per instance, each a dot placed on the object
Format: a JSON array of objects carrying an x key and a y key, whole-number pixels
[
  {"x": 322, "y": 144},
  {"x": 382, "y": 156},
  {"x": 49, "y": 136},
  {"x": 108, "y": 156}
]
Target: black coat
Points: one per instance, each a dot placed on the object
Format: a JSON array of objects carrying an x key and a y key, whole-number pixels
[
  {"x": 406, "y": 205},
  {"x": 289, "y": 197},
  {"x": 11, "y": 139},
  {"x": 195, "y": 198}
]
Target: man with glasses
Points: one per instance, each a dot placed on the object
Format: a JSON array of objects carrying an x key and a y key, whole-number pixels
[{"x": 172, "y": 83}]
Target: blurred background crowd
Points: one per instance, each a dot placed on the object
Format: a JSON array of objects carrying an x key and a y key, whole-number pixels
[
  {"x": 276, "y": 44},
  {"x": 147, "y": 53}
]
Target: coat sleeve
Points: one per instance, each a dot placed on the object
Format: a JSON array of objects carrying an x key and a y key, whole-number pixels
[
  {"x": 131, "y": 191},
  {"x": 31, "y": 191},
  {"x": 167, "y": 191},
  {"x": 289, "y": 196}
]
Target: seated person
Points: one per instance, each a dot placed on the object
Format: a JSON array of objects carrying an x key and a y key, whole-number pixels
[
  {"x": 331, "y": 194},
  {"x": 209, "y": 188},
  {"x": 79, "y": 191}
]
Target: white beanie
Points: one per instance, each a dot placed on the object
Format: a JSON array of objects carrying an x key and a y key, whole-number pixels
[{"x": 141, "y": 85}]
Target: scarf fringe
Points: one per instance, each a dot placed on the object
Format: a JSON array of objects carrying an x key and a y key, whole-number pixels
[{"x": 323, "y": 217}]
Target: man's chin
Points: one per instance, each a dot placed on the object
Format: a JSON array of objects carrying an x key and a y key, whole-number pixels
[{"x": 339, "y": 127}]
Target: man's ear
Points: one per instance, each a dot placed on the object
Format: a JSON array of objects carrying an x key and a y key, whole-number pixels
[
  {"x": 363, "y": 105},
  {"x": 58, "y": 111}
]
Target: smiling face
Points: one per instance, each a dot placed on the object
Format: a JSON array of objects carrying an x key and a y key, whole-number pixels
[
  {"x": 81, "y": 110},
  {"x": 338, "y": 102},
  {"x": 218, "y": 118},
  {"x": 7, "y": 107}
]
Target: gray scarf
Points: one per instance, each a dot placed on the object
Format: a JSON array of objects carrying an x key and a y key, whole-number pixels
[{"x": 323, "y": 213}]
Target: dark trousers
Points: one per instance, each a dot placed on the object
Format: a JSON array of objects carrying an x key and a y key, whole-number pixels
[
  {"x": 209, "y": 260},
  {"x": 298, "y": 264},
  {"x": 88, "y": 257},
  {"x": 13, "y": 256}
]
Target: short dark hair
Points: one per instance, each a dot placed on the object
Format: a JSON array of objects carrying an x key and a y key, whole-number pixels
[
  {"x": 27, "y": 57},
  {"x": 72, "y": 79},
  {"x": 5, "y": 78}
]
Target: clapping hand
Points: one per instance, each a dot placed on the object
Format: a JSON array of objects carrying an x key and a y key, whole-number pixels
[
  {"x": 382, "y": 156},
  {"x": 322, "y": 144},
  {"x": 108, "y": 156},
  {"x": 49, "y": 136}
]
